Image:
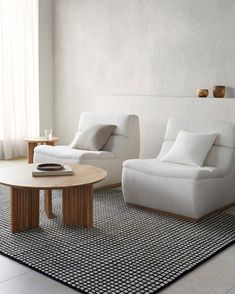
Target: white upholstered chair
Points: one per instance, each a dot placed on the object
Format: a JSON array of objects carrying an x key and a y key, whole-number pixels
[
  {"x": 188, "y": 191},
  {"x": 123, "y": 144}
]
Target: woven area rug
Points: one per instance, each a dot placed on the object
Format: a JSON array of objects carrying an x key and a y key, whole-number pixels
[{"x": 129, "y": 250}]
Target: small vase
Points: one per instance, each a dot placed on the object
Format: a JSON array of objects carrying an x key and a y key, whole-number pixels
[
  {"x": 202, "y": 93},
  {"x": 219, "y": 91}
]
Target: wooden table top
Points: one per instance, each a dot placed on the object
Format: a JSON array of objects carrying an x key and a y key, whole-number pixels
[
  {"x": 21, "y": 176},
  {"x": 41, "y": 139}
]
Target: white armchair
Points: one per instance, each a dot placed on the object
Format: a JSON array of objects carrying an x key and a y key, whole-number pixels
[
  {"x": 188, "y": 191},
  {"x": 123, "y": 144}
]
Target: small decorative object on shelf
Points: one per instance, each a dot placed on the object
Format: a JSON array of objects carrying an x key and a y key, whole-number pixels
[
  {"x": 202, "y": 93},
  {"x": 219, "y": 91}
]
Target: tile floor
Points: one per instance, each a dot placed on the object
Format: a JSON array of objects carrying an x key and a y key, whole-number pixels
[{"x": 217, "y": 276}]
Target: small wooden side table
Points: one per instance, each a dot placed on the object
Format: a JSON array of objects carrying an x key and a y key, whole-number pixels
[{"x": 33, "y": 142}]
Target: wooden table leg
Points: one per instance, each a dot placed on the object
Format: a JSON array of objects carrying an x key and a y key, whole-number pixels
[
  {"x": 24, "y": 209},
  {"x": 31, "y": 147},
  {"x": 48, "y": 203},
  {"x": 77, "y": 206}
]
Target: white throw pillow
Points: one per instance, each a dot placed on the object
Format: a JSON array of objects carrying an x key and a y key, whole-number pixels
[{"x": 190, "y": 148}]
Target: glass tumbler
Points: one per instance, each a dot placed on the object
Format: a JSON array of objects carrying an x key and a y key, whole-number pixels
[{"x": 48, "y": 134}]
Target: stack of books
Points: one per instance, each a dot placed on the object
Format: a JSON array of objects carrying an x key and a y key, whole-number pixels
[{"x": 66, "y": 170}]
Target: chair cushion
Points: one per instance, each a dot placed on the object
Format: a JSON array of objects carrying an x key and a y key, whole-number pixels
[
  {"x": 190, "y": 148},
  {"x": 67, "y": 152},
  {"x": 159, "y": 168},
  {"x": 93, "y": 138}
]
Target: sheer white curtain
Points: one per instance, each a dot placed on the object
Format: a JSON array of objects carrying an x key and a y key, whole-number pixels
[{"x": 19, "y": 89}]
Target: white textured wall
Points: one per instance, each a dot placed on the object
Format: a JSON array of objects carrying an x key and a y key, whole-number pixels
[
  {"x": 138, "y": 47},
  {"x": 46, "y": 64}
]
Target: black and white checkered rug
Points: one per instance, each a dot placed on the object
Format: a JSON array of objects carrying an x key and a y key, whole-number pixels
[{"x": 129, "y": 250}]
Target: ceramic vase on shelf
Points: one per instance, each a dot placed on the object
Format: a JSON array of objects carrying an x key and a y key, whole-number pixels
[
  {"x": 219, "y": 91},
  {"x": 202, "y": 93}
]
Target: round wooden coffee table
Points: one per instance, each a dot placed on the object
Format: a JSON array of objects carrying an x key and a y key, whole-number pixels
[{"x": 77, "y": 191}]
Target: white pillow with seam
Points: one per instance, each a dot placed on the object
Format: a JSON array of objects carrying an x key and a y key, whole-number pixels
[{"x": 190, "y": 148}]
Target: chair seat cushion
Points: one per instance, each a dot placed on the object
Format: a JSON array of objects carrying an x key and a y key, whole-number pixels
[
  {"x": 159, "y": 168},
  {"x": 67, "y": 152}
]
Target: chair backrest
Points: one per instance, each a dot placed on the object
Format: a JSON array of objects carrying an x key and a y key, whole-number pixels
[
  {"x": 224, "y": 129},
  {"x": 125, "y": 140},
  {"x": 221, "y": 152}
]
